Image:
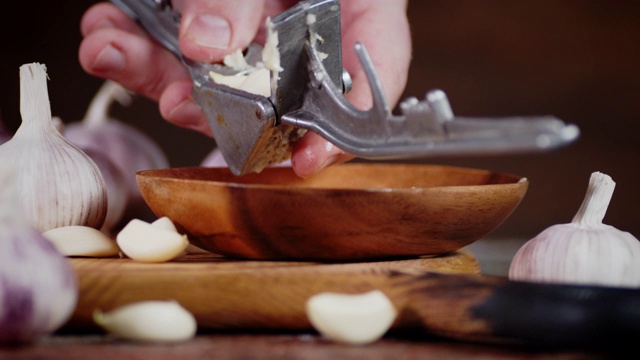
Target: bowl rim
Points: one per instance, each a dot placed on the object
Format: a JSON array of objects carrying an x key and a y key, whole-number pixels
[{"x": 518, "y": 180}]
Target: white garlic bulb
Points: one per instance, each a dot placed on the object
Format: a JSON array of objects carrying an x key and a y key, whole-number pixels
[
  {"x": 128, "y": 148},
  {"x": 117, "y": 194},
  {"x": 59, "y": 185},
  {"x": 38, "y": 287},
  {"x": 585, "y": 251}
]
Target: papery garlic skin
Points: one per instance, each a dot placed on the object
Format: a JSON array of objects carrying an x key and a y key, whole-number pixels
[
  {"x": 144, "y": 242},
  {"x": 355, "y": 319},
  {"x": 129, "y": 149},
  {"x": 570, "y": 254},
  {"x": 82, "y": 241},
  {"x": 585, "y": 251},
  {"x": 155, "y": 321},
  {"x": 39, "y": 289},
  {"x": 59, "y": 185},
  {"x": 117, "y": 195}
]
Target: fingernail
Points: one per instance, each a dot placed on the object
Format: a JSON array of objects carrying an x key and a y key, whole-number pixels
[
  {"x": 187, "y": 114},
  {"x": 210, "y": 31},
  {"x": 104, "y": 24},
  {"x": 109, "y": 59}
]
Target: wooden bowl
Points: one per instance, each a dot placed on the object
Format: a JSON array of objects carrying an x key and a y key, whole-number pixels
[{"x": 349, "y": 212}]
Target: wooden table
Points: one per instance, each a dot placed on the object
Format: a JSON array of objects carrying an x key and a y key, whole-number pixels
[
  {"x": 276, "y": 346},
  {"x": 91, "y": 343}
]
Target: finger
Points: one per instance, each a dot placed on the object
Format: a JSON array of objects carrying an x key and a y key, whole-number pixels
[
  {"x": 177, "y": 106},
  {"x": 107, "y": 15},
  {"x": 313, "y": 153},
  {"x": 116, "y": 48},
  {"x": 133, "y": 61},
  {"x": 211, "y": 29},
  {"x": 383, "y": 28}
]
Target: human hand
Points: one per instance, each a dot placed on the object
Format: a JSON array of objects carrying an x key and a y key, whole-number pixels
[{"x": 116, "y": 48}]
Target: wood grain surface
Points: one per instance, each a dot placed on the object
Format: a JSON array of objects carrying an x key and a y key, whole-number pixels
[
  {"x": 235, "y": 294},
  {"x": 348, "y": 212}
]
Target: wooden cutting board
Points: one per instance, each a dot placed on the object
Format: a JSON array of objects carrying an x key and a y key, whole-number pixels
[{"x": 236, "y": 294}]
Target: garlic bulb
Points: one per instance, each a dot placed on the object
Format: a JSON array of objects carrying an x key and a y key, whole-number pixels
[
  {"x": 585, "y": 251},
  {"x": 117, "y": 195},
  {"x": 156, "y": 321},
  {"x": 38, "y": 288},
  {"x": 5, "y": 134},
  {"x": 59, "y": 185},
  {"x": 128, "y": 148}
]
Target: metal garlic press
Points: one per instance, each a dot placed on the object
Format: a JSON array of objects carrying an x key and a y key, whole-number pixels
[{"x": 307, "y": 93}]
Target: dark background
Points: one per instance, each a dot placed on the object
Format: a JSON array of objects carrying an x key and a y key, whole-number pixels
[{"x": 578, "y": 60}]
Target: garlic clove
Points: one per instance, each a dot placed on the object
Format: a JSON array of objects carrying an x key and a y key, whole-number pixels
[
  {"x": 82, "y": 241},
  {"x": 585, "y": 251},
  {"x": 165, "y": 223},
  {"x": 155, "y": 321},
  {"x": 144, "y": 242},
  {"x": 352, "y": 319}
]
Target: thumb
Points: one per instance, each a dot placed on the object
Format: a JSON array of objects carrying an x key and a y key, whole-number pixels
[{"x": 211, "y": 29}]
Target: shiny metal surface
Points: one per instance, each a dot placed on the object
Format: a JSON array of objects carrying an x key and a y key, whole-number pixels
[{"x": 254, "y": 132}]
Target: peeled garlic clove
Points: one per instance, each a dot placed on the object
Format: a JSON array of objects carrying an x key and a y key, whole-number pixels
[
  {"x": 59, "y": 184},
  {"x": 585, "y": 251},
  {"x": 82, "y": 241},
  {"x": 352, "y": 319},
  {"x": 161, "y": 321},
  {"x": 165, "y": 223},
  {"x": 142, "y": 241}
]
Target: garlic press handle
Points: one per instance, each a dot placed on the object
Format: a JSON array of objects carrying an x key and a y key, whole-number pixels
[
  {"x": 424, "y": 128},
  {"x": 158, "y": 19}
]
